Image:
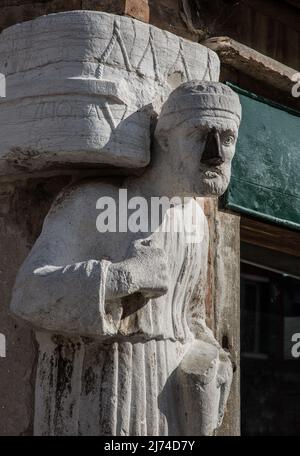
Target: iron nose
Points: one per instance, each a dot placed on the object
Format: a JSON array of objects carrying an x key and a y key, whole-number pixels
[{"x": 212, "y": 154}]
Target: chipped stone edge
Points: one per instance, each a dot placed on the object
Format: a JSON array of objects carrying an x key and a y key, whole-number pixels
[{"x": 252, "y": 62}]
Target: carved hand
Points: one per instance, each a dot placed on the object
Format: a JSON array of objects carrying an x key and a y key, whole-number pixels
[
  {"x": 204, "y": 378},
  {"x": 145, "y": 272}
]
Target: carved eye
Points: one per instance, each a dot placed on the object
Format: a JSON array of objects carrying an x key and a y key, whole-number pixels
[{"x": 228, "y": 139}]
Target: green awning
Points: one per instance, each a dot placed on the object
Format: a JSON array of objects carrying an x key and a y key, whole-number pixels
[{"x": 265, "y": 179}]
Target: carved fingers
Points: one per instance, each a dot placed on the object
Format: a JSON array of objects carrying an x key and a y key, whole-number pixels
[
  {"x": 145, "y": 272},
  {"x": 224, "y": 380},
  {"x": 149, "y": 269},
  {"x": 204, "y": 380}
]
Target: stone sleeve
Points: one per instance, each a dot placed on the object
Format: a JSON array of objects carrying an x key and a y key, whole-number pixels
[{"x": 66, "y": 299}]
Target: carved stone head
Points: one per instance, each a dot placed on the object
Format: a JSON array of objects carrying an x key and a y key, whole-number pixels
[{"x": 197, "y": 130}]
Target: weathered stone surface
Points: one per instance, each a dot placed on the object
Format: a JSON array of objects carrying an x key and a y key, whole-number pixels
[
  {"x": 165, "y": 14},
  {"x": 269, "y": 27},
  {"x": 226, "y": 248},
  {"x": 25, "y": 10},
  {"x": 23, "y": 206},
  {"x": 222, "y": 300},
  {"x": 83, "y": 88},
  {"x": 139, "y": 9},
  {"x": 13, "y": 12},
  {"x": 134, "y": 355},
  {"x": 254, "y": 64}
]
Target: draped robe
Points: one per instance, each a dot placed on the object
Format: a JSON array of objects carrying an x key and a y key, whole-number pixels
[{"x": 108, "y": 369}]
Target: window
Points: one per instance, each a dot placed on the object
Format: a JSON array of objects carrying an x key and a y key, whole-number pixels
[{"x": 270, "y": 375}]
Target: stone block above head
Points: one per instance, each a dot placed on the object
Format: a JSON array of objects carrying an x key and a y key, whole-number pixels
[{"x": 83, "y": 88}]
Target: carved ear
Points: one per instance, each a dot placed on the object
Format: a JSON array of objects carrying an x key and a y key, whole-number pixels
[
  {"x": 160, "y": 133},
  {"x": 162, "y": 139},
  {"x": 153, "y": 119}
]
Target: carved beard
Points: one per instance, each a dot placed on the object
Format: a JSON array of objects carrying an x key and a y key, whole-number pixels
[{"x": 214, "y": 186}]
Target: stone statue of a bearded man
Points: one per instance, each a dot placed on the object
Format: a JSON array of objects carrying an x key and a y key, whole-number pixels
[{"x": 120, "y": 316}]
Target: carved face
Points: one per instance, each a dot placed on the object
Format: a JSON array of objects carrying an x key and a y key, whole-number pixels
[{"x": 203, "y": 149}]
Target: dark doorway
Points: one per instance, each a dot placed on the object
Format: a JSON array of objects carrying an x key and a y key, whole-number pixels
[{"x": 270, "y": 360}]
